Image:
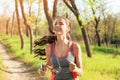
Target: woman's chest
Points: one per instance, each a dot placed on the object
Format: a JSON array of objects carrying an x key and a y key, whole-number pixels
[{"x": 62, "y": 61}]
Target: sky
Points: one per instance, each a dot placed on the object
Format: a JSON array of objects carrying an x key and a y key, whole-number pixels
[
  {"x": 7, "y": 6},
  {"x": 115, "y": 5}
]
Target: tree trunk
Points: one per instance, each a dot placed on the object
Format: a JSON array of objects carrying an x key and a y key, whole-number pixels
[
  {"x": 55, "y": 9},
  {"x": 46, "y": 10},
  {"x": 72, "y": 6},
  {"x": 19, "y": 27},
  {"x": 97, "y": 32},
  {"x": 7, "y": 24},
  {"x": 27, "y": 32},
  {"x": 36, "y": 21},
  {"x": 27, "y": 25},
  {"x": 13, "y": 17},
  {"x": 30, "y": 6},
  {"x": 98, "y": 38},
  {"x": 106, "y": 39},
  {"x": 85, "y": 37},
  {"x": 97, "y": 20}
]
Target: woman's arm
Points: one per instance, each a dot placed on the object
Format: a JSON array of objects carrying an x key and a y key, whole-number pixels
[
  {"x": 47, "y": 51},
  {"x": 77, "y": 67},
  {"x": 48, "y": 64}
]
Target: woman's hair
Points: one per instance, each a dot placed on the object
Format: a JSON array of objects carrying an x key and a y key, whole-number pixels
[{"x": 49, "y": 39}]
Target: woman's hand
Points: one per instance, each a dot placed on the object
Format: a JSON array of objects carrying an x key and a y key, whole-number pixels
[
  {"x": 72, "y": 66},
  {"x": 41, "y": 72}
]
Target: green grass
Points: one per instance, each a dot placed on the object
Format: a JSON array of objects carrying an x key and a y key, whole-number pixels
[
  {"x": 2, "y": 74},
  {"x": 101, "y": 67},
  {"x": 104, "y": 64},
  {"x": 103, "y": 49},
  {"x": 13, "y": 46}
]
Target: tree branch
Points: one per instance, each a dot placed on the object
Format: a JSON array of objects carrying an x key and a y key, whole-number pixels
[
  {"x": 55, "y": 9},
  {"x": 46, "y": 9},
  {"x": 68, "y": 5},
  {"x": 74, "y": 6}
]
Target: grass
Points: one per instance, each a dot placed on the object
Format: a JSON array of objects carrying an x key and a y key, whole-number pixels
[
  {"x": 2, "y": 74},
  {"x": 13, "y": 46},
  {"x": 104, "y": 65},
  {"x": 101, "y": 67}
]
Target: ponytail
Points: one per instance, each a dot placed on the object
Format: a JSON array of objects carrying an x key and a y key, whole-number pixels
[{"x": 41, "y": 42}]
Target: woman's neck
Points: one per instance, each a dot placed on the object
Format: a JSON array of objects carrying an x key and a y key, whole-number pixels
[{"x": 62, "y": 40}]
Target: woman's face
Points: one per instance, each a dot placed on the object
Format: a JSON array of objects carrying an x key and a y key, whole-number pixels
[{"x": 60, "y": 26}]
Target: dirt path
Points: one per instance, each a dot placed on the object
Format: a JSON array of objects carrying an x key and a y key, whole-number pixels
[{"x": 16, "y": 70}]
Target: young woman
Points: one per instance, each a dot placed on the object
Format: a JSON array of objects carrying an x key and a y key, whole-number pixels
[{"x": 63, "y": 55}]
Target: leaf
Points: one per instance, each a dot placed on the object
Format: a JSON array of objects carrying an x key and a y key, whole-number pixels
[
  {"x": 84, "y": 22},
  {"x": 79, "y": 18}
]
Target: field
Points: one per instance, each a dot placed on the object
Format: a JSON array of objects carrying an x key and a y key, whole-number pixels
[{"x": 104, "y": 64}]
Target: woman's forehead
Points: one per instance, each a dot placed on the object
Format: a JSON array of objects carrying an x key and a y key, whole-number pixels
[{"x": 60, "y": 20}]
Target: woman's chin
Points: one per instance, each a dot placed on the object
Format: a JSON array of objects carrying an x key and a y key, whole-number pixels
[{"x": 58, "y": 33}]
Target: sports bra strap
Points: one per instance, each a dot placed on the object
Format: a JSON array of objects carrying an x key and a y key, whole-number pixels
[
  {"x": 71, "y": 45},
  {"x": 74, "y": 53}
]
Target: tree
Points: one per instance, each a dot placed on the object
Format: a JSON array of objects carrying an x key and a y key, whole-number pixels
[
  {"x": 13, "y": 17},
  {"x": 72, "y": 6},
  {"x": 30, "y": 6},
  {"x": 30, "y": 13},
  {"x": 27, "y": 25},
  {"x": 97, "y": 7},
  {"x": 37, "y": 18},
  {"x": 3, "y": 19},
  {"x": 111, "y": 29},
  {"x": 46, "y": 10},
  {"x": 55, "y": 8},
  {"x": 19, "y": 27},
  {"x": 7, "y": 24}
]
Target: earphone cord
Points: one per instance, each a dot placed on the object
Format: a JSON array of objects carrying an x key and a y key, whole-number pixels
[{"x": 58, "y": 63}]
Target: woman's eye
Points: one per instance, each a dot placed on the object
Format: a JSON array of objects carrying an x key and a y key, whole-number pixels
[
  {"x": 61, "y": 23},
  {"x": 55, "y": 24}
]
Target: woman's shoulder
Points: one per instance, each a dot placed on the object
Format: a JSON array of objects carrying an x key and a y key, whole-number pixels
[
  {"x": 48, "y": 47},
  {"x": 48, "y": 50},
  {"x": 76, "y": 47},
  {"x": 76, "y": 44}
]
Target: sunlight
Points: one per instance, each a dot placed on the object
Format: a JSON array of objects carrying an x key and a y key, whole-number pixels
[
  {"x": 7, "y": 6},
  {"x": 115, "y": 5}
]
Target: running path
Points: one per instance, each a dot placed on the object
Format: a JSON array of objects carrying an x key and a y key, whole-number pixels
[{"x": 16, "y": 70}]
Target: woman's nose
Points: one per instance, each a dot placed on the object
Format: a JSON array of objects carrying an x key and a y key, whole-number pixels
[{"x": 57, "y": 25}]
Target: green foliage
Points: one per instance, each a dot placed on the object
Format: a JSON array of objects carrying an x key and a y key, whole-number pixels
[
  {"x": 76, "y": 32},
  {"x": 63, "y": 9},
  {"x": 106, "y": 50},
  {"x": 116, "y": 36},
  {"x": 79, "y": 18}
]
